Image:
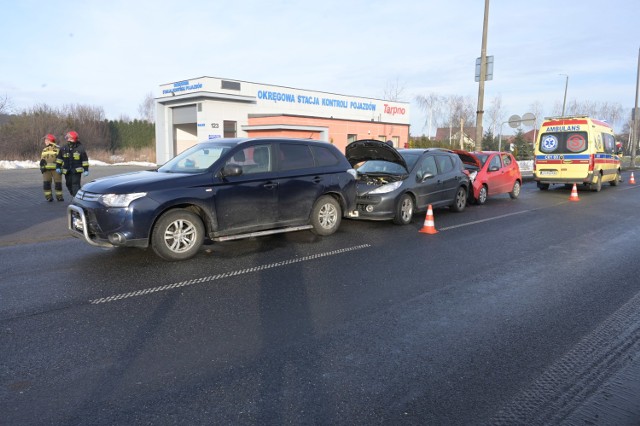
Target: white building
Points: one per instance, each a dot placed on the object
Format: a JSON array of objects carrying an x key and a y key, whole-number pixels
[{"x": 205, "y": 108}]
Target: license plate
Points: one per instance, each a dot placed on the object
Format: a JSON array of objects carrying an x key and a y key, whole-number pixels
[{"x": 548, "y": 172}]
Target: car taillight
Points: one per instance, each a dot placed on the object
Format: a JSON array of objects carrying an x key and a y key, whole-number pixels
[{"x": 591, "y": 162}]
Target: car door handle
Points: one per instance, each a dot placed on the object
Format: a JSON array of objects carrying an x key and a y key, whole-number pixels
[
  {"x": 270, "y": 185},
  {"x": 317, "y": 179}
]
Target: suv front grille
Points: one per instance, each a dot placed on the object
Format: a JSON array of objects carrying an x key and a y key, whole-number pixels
[{"x": 87, "y": 196}]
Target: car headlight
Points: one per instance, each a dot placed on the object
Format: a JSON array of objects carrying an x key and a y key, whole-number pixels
[
  {"x": 472, "y": 175},
  {"x": 120, "y": 200},
  {"x": 387, "y": 188}
]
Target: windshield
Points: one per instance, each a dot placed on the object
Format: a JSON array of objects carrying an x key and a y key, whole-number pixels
[
  {"x": 482, "y": 157},
  {"x": 196, "y": 159},
  {"x": 563, "y": 142},
  {"x": 411, "y": 158},
  {"x": 380, "y": 166}
]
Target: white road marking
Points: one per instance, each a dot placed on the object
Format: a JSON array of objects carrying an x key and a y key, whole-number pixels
[
  {"x": 210, "y": 278},
  {"x": 475, "y": 222},
  {"x": 489, "y": 219}
]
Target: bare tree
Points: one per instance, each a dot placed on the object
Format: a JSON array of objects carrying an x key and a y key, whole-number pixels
[
  {"x": 537, "y": 109},
  {"x": 613, "y": 113},
  {"x": 21, "y": 137},
  {"x": 495, "y": 114},
  {"x": 431, "y": 104},
  {"x": 5, "y": 104},
  {"x": 589, "y": 108},
  {"x": 393, "y": 91},
  {"x": 460, "y": 109},
  {"x": 89, "y": 122},
  {"x": 22, "y": 133},
  {"x": 147, "y": 108}
]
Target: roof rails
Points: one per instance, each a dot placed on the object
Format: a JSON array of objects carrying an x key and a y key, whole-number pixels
[{"x": 559, "y": 117}]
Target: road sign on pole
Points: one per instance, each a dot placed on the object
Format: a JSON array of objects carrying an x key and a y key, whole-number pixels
[{"x": 489, "y": 69}]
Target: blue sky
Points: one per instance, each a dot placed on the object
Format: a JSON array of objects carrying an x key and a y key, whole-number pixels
[{"x": 111, "y": 54}]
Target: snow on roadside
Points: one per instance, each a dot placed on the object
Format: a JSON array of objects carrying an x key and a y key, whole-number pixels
[{"x": 11, "y": 165}]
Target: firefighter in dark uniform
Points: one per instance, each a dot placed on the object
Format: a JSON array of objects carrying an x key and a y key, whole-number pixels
[
  {"x": 72, "y": 162},
  {"x": 48, "y": 168}
]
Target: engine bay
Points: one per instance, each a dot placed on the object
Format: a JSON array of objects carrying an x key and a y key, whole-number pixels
[{"x": 371, "y": 179}]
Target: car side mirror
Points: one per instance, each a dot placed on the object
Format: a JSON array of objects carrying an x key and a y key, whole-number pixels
[
  {"x": 427, "y": 176},
  {"x": 231, "y": 170}
]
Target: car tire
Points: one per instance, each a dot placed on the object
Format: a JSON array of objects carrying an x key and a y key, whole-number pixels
[
  {"x": 482, "y": 195},
  {"x": 460, "y": 200},
  {"x": 515, "y": 192},
  {"x": 326, "y": 216},
  {"x": 177, "y": 235},
  {"x": 616, "y": 180},
  {"x": 404, "y": 210}
]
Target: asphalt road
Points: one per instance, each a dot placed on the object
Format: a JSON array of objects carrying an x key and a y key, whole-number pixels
[{"x": 517, "y": 312}]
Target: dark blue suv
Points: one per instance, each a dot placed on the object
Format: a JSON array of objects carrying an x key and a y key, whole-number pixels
[{"x": 222, "y": 190}]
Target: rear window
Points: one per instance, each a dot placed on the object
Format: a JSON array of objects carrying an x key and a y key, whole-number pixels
[
  {"x": 445, "y": 163},
  {"x": 324, "y": 156},
  {"x": 563, "y": 143},
  {"x": 294, "y": 157}
]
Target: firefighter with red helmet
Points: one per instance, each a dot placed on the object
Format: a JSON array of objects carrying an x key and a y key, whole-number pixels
[
  {"x": 72, "y": 162},
  {"x": 48, "y": 168}
]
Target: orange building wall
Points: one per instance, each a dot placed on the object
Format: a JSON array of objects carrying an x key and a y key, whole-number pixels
[{"x": 337, "y": 129}]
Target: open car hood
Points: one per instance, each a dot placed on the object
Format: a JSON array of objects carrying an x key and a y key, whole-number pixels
[
  {"x": 371, "y": 149},
  {"x": 468, "y": 158}
]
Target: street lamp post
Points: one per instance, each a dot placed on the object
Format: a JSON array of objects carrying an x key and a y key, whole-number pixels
[
  {"x": 566, "y": 85},
  {"x": 483, "y": 76}
]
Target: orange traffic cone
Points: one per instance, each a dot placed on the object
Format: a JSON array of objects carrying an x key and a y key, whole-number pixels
[
  {"x": 429, "y": 226},
  {"x": 574, "y": 194},
  {"x": 632, "y": 180}
]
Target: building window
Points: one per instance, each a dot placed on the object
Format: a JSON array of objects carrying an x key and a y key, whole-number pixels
[
  {"x": 351, "y": 138},
  {"x": 230, "y": 85},
  {"x": 229, "y": 128}
]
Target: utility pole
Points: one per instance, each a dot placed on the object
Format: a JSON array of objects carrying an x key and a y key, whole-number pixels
[
  {"x": 566, "y": 85},
  {"x": 635, "y": 139},
  {"x": 483, "y": 76}
]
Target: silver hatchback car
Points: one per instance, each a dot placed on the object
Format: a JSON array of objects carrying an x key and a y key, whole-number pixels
[{"x": 393, "y": 184}]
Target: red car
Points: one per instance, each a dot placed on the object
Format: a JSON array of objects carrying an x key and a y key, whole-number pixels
[{"x": 492, "y": 173}]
